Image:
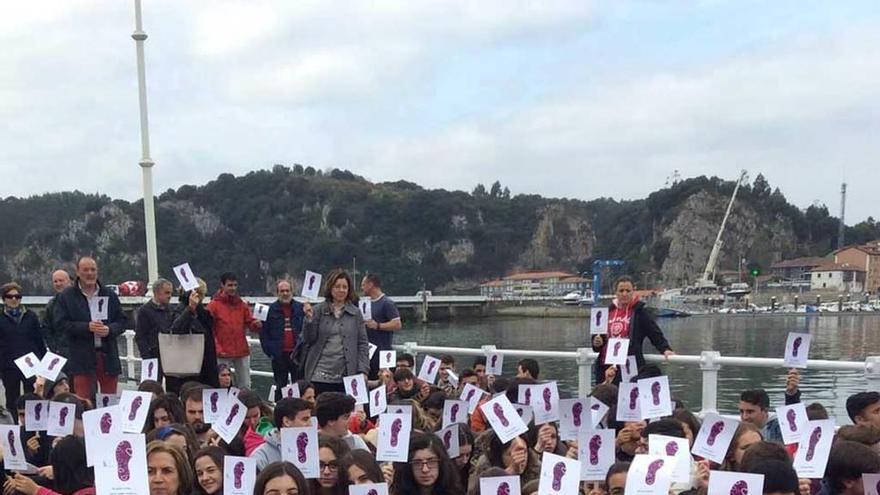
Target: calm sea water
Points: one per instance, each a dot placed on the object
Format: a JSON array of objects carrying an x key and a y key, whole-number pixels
[{"x": 848, "y": 338}]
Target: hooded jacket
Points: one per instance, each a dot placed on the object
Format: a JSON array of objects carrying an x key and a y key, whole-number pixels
[
  {"x": 232, "y": 316},
  {"x": 642, "y": 325}
]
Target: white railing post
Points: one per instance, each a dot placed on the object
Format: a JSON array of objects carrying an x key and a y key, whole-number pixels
[
  {"x": 710, "y": 366},
  {"x": 872, "y": 373},
  {"x": 585, "y": 360},
  {"x": 410, "y": 348},
  {"x": 129, "y": 350}
]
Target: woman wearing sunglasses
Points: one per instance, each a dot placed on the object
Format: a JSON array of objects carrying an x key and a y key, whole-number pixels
[{"x": 20, "y": 332}]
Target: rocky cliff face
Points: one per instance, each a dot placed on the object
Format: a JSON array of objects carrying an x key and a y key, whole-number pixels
[{"x": 563, "y": 238}]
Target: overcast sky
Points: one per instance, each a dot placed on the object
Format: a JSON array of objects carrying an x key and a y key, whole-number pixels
[{"x": 566, "y": 99}]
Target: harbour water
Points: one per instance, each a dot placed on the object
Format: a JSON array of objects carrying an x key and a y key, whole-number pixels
[{"x": 847, "y": 337}]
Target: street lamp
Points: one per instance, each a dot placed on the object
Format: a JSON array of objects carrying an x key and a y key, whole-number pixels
[{"x": 146, "y": 162}]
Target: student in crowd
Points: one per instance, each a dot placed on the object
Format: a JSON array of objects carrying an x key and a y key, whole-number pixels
[
  {"x": 168, "y": 471},
  {"x": 361, "y": 468},
  {"x": 479, "y": 368},
  {"x": 384, "y": 321},
  {"x": 281, "y": 478},
  {"x": 232, "y": 318},
  {"x": 515, "y": 457},
  {"x": 179, "y": 435},
  {"x": 628, "y": 317},
  {"x": 306, "y": 391},
  {"x": 20, "y": 333},
  {"x": 447, "y": 364},
  {"x": 863, "y": 408},
  {"x": 93, "y": 345},
  {"x": 151, "y": 386},
  {"x": 429, "y": 470},
  {"x": 527, "y": 368},
  {"x": 465, "y": 451},
  {"x": 164, "y": 410},
  {"x": 191, "y": 316},
  {"x": 280, "y": 333},
  {"x": 847, "y": 463},
  {"x": 208, "y": 469},
  {"x": 153, "y": 318},
  {"x": 195, "y": 412},
  {"x": 754, "y": 407},
  {"x": 615, "y": 480},
  {"x": 333, "y": 411},
  {"x": 70, "y": 476},
  {"x": 337, "y": 338},
  {"x": 779, "y": 477},
  {"x": 331, "y": 450},
  {"x": 288, "y": 413},
  {"x": 746, "y": 435},
  {"x": 224, "y": 375}
]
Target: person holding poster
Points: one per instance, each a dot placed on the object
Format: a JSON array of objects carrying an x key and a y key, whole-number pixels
[
  {"x": 336, "y": 336},
  {"x": 628, "y": 317},
  {"x": 192, "y": 316},
  {"x": 282, "y": 330},
  {"x": 515, "y": 457},
  {"x": 232, "y": 318},
  {"x": 68, "y": 462},
  {"x": 429, "y": 469},
  {"x": 384, "y": 321},
  {"x": 21, "y": 333},
  {"x": 94, "y": 350}
]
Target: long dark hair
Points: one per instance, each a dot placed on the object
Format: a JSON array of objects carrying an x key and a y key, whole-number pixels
[
  {"x": 363, "y": 460},
  {"x": 68, "y": 459},
  {"x": 340, "y": 449},
  {"x": 447, "y": 480},
  {"x": 330, "y": 281},
  {"x": 277, "y": 470},
  {"x": 171, "y": 404},
  {"x": 216, "y": 454}
]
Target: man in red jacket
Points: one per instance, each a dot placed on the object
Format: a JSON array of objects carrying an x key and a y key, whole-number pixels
[{"x": 232, "y": 318}]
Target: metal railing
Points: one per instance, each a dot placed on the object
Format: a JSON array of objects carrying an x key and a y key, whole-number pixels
[{"x": 709, "y": 362}]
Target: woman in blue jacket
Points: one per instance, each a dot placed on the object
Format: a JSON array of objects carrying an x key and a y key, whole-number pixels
[{"x": 20, "y": 333}]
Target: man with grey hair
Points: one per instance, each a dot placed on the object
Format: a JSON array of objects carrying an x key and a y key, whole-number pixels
[
  {"x": 56, "y": 340},
  {"x": 153, "y": 317}
]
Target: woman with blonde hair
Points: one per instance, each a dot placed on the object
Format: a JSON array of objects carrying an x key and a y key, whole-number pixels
[{"x": 168, "y": 471}]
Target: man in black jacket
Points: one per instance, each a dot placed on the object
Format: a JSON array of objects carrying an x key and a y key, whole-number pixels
[
  {"x": 94, "y": 353},
  {"x": 153, "y": 317},
  {"x": 56, "y": 340}
]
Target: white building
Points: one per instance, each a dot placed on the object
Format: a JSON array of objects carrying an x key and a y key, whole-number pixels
[{"x": 841, "y": 277}]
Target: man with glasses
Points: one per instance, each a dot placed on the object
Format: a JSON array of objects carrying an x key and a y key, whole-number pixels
[
  {"x": 280, "y": 333},
  {"x": 94, "y": 352}
]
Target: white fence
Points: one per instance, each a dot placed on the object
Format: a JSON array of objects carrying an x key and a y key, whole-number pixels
[{"x": 709, "y": 362}]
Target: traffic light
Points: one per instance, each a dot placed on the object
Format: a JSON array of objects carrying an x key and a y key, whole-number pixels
[{"x": 755, "y": 272}]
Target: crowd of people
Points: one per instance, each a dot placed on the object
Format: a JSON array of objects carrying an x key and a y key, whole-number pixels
[{"x": 312, "y": 350}]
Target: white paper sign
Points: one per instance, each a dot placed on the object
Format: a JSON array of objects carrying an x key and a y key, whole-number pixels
[
  {"x": 378, "y": 400},
  {"x": 616, "y": 351},
  {"x": 124, "y": 468},
  {"x": 654, "y": 397},
  {"x": 371, "y": 349},
  {"x": 813, "y": 450},
  {"x": 150, "y": 369},
  {"x": 51, "y": 365},
  {"x": 429, "y": 370},
  {"x": 559, "y": 475},
  {"x": 494, "y": 363},
  {"x": 629, "y": 369},
  {"x": 400, "y": 409},
  {"x": 526, "y": 414},
  {"x": 230, "y": 420},
  {"x": 500, "y": 485},
  {"x": 649, "y": 475},
  {"x": 387, "y": 359},
  {"x": 13, "y": 453},
  {"x": 628, "y": 403},
  {"x": 29, "y": 364},
  {"x": 677, "y": 448},
  {"x": 503, "y": 417},
  {"x": 186, "y": 277},
  {"x": 290, "y": 391},
  {"x": 106, "y": 400},
  {"x": 36, "y": 415},
  {"x": 545, "y": 403},
  {"x": 356, "y": 386},
  {"x": 213, "y": 400},
  {"x": 99, "y": 427},
  {"x": 311, "y": 287},
  {"x": 369, "y": 489},
  {"x": 871, "y": 483},
  {"x": 524, "y": 394},
  {"x": 62, "y": 417},
  {"x": 574, "y": 415},
  {"x": 454, "y": 411},
  {"x": 728, "y": 482},
  {"x": 451, "y": 377},
  {"x": 472, "y": 394},
  {"x": 449, "y": 437},
  {"x": 598, "y": 410},
  {"x": 714, "y": 437},
  {"x": 792, "y": 422},
  {"x": 596, "y": 453},
  {"x": 98, "y": 308},
  {"x": 366, "y": 306},
  {"x": 239, "y": 475},
  {"x": 261, "y": 311},
  {"x": 394, "y": 431},
  {"x": 134, "y": 410},
  {"x": 598, "y": 321},
  {"x": 797, "y": 350},
  {"x": 299, "y": 446}
]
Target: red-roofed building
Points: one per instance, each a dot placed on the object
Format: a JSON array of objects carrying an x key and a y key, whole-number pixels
[
  {"x": 534, "y": 284},
  {"x": 866, "y": 257},
  {"x": 842, "y": 277}
]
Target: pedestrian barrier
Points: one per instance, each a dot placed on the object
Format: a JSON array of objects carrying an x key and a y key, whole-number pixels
[{"x": 709, "y": 362}]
